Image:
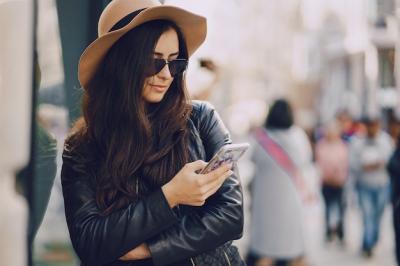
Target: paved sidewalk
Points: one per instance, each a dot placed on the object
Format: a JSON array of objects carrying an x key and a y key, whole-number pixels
[{"x": 333, "y": 254}]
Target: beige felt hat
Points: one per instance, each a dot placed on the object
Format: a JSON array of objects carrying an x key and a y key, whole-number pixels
[{"x": 193, "y": 27}]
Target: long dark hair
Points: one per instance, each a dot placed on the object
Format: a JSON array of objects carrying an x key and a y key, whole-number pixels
[
  {"x": 280, "y": 115},
  {"x": 127, "y": 140}
]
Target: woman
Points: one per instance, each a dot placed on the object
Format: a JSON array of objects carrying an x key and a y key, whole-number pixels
[
  {"x": 331, "y": 154},
  {"x": 132, "y": 192},
  {"x": 281, "y": 152}
]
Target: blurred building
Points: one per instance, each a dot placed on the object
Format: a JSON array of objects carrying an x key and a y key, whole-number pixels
[
  {"x": 354, "y": 66},
  {"x": 323, "y": 55}
]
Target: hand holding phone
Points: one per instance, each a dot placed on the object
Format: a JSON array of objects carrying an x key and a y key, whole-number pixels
[{"x": 186, "y": 188}]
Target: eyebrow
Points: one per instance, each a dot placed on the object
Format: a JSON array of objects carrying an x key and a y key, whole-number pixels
[{"x": 161, "y": 54}]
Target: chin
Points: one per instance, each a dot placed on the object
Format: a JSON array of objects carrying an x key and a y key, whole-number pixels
[{"x": 154, "y": 99}]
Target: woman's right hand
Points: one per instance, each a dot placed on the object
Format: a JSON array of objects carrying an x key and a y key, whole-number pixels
[{"x": 190, "y": 188}]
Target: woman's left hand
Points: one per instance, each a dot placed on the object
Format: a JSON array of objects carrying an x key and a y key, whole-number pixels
[{"x": 139, "y": 253}]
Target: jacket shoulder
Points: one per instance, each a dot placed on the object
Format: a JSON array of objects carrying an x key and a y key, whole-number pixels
[{"x": 201, "y": 110}]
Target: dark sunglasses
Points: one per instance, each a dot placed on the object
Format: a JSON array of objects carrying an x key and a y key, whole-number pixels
[{"x": 176, "y": 66}]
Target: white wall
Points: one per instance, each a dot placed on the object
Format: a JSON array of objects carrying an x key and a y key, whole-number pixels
[{"x": 15, "y": 108}]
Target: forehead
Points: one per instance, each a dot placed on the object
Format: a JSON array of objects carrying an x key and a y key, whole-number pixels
[{"x": 168, "y": 43}]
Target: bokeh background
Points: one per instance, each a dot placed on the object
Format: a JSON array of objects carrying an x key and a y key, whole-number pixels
[{"x": 324, "y": 56}]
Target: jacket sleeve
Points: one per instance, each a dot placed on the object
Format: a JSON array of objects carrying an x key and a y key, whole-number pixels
[
  {"x": 218, "y": 221},
  {"x": 99, "y": 239}
]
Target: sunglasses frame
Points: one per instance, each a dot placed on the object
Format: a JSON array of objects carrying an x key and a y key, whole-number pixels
[{"x": 155, "y": 71}]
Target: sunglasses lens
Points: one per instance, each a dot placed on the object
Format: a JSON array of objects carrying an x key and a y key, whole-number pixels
[
  {"x": 158, "y": 65},
  {"x": 177, "y": 66},
  {"x": 155, "y": 66}
]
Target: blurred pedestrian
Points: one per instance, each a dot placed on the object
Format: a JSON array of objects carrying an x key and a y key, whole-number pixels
[
  {"x": 332, "y": 161},
  {"x": 347, "y": 125},
  {"x": 131, "y": 184},
  {"x": 394, "y": 171},
  {"x": 280, "y": 152},
  {"x": 368, "y": 159}
]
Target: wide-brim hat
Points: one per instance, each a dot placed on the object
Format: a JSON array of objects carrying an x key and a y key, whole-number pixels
[{"x": 193, "y": 27}]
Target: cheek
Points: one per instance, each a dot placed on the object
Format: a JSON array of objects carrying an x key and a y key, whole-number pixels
[{"x": 146, "y": 86}]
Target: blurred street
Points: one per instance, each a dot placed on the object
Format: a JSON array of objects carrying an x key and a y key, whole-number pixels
[{"x": 349, "y": 254}]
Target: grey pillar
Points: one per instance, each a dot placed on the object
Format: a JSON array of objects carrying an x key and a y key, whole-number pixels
[{"x": 78, "y": 27}]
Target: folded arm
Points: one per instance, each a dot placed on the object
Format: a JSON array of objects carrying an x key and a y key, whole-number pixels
[{"x": 99, "y": 239}]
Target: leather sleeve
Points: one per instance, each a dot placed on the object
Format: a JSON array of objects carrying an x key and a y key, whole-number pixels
[
  {"x": 219, "y": 220},
  {"x": 99, "y": 239}
]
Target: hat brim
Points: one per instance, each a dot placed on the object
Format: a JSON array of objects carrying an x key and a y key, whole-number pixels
[{"x": 193, "y": 27}]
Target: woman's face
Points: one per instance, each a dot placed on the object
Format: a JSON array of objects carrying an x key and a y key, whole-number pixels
[{"x": 156, "y": 86}]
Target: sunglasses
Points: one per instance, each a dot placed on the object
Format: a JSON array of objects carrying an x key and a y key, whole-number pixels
[{"x": 176, "y": 66}]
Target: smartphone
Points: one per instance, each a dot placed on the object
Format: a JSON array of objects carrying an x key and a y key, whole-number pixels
[{"x": 227, "y": 154}]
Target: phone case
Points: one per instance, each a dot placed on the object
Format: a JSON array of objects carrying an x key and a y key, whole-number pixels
[{"x": 227, "y": 154}]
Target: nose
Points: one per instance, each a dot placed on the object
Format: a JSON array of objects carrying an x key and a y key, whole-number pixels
[{"x": 165, "y": 73}]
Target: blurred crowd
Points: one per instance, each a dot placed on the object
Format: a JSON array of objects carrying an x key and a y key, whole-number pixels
[{"x": 353, "y": 159}]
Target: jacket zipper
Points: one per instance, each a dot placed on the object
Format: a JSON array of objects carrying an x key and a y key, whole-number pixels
[
  {"x": 227, "y": 259},
  {"x": 191, "y": 260}
]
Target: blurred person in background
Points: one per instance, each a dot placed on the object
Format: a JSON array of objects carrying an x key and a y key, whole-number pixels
[
  {"x": 346, "y": 123},
  {"x": 331, "y": 154},
  {"x": 347, "y": 126},
  {"x": 281, "y": 150},
  {"x": 351, "y": 129},
  {"x": 394, "y": 171},
  {"x": 131, "y": 184},
  {"x": 394, "y": 128},
  {"x": 368, "y": 159}
]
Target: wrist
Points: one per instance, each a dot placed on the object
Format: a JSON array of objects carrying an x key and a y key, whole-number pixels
[{"x": 169, "y": 194}]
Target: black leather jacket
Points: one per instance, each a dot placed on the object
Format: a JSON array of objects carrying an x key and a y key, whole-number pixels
[{"x": 181, "y": 236}]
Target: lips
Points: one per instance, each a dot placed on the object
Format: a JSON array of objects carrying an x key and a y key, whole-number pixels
[{"x": 159, "y": 88}]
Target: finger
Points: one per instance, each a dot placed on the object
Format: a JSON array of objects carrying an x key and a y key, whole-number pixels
[
  {"x": 197, "y": 203},
  {"x": 218, "y": 181},
  {"x": 213, "y": 175},
  {"x": 213, "y": 191},
  {"x": 200, "y": 203},
  {"x": 212, "y": 187},
  {"x": 197, "y": 165}
]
